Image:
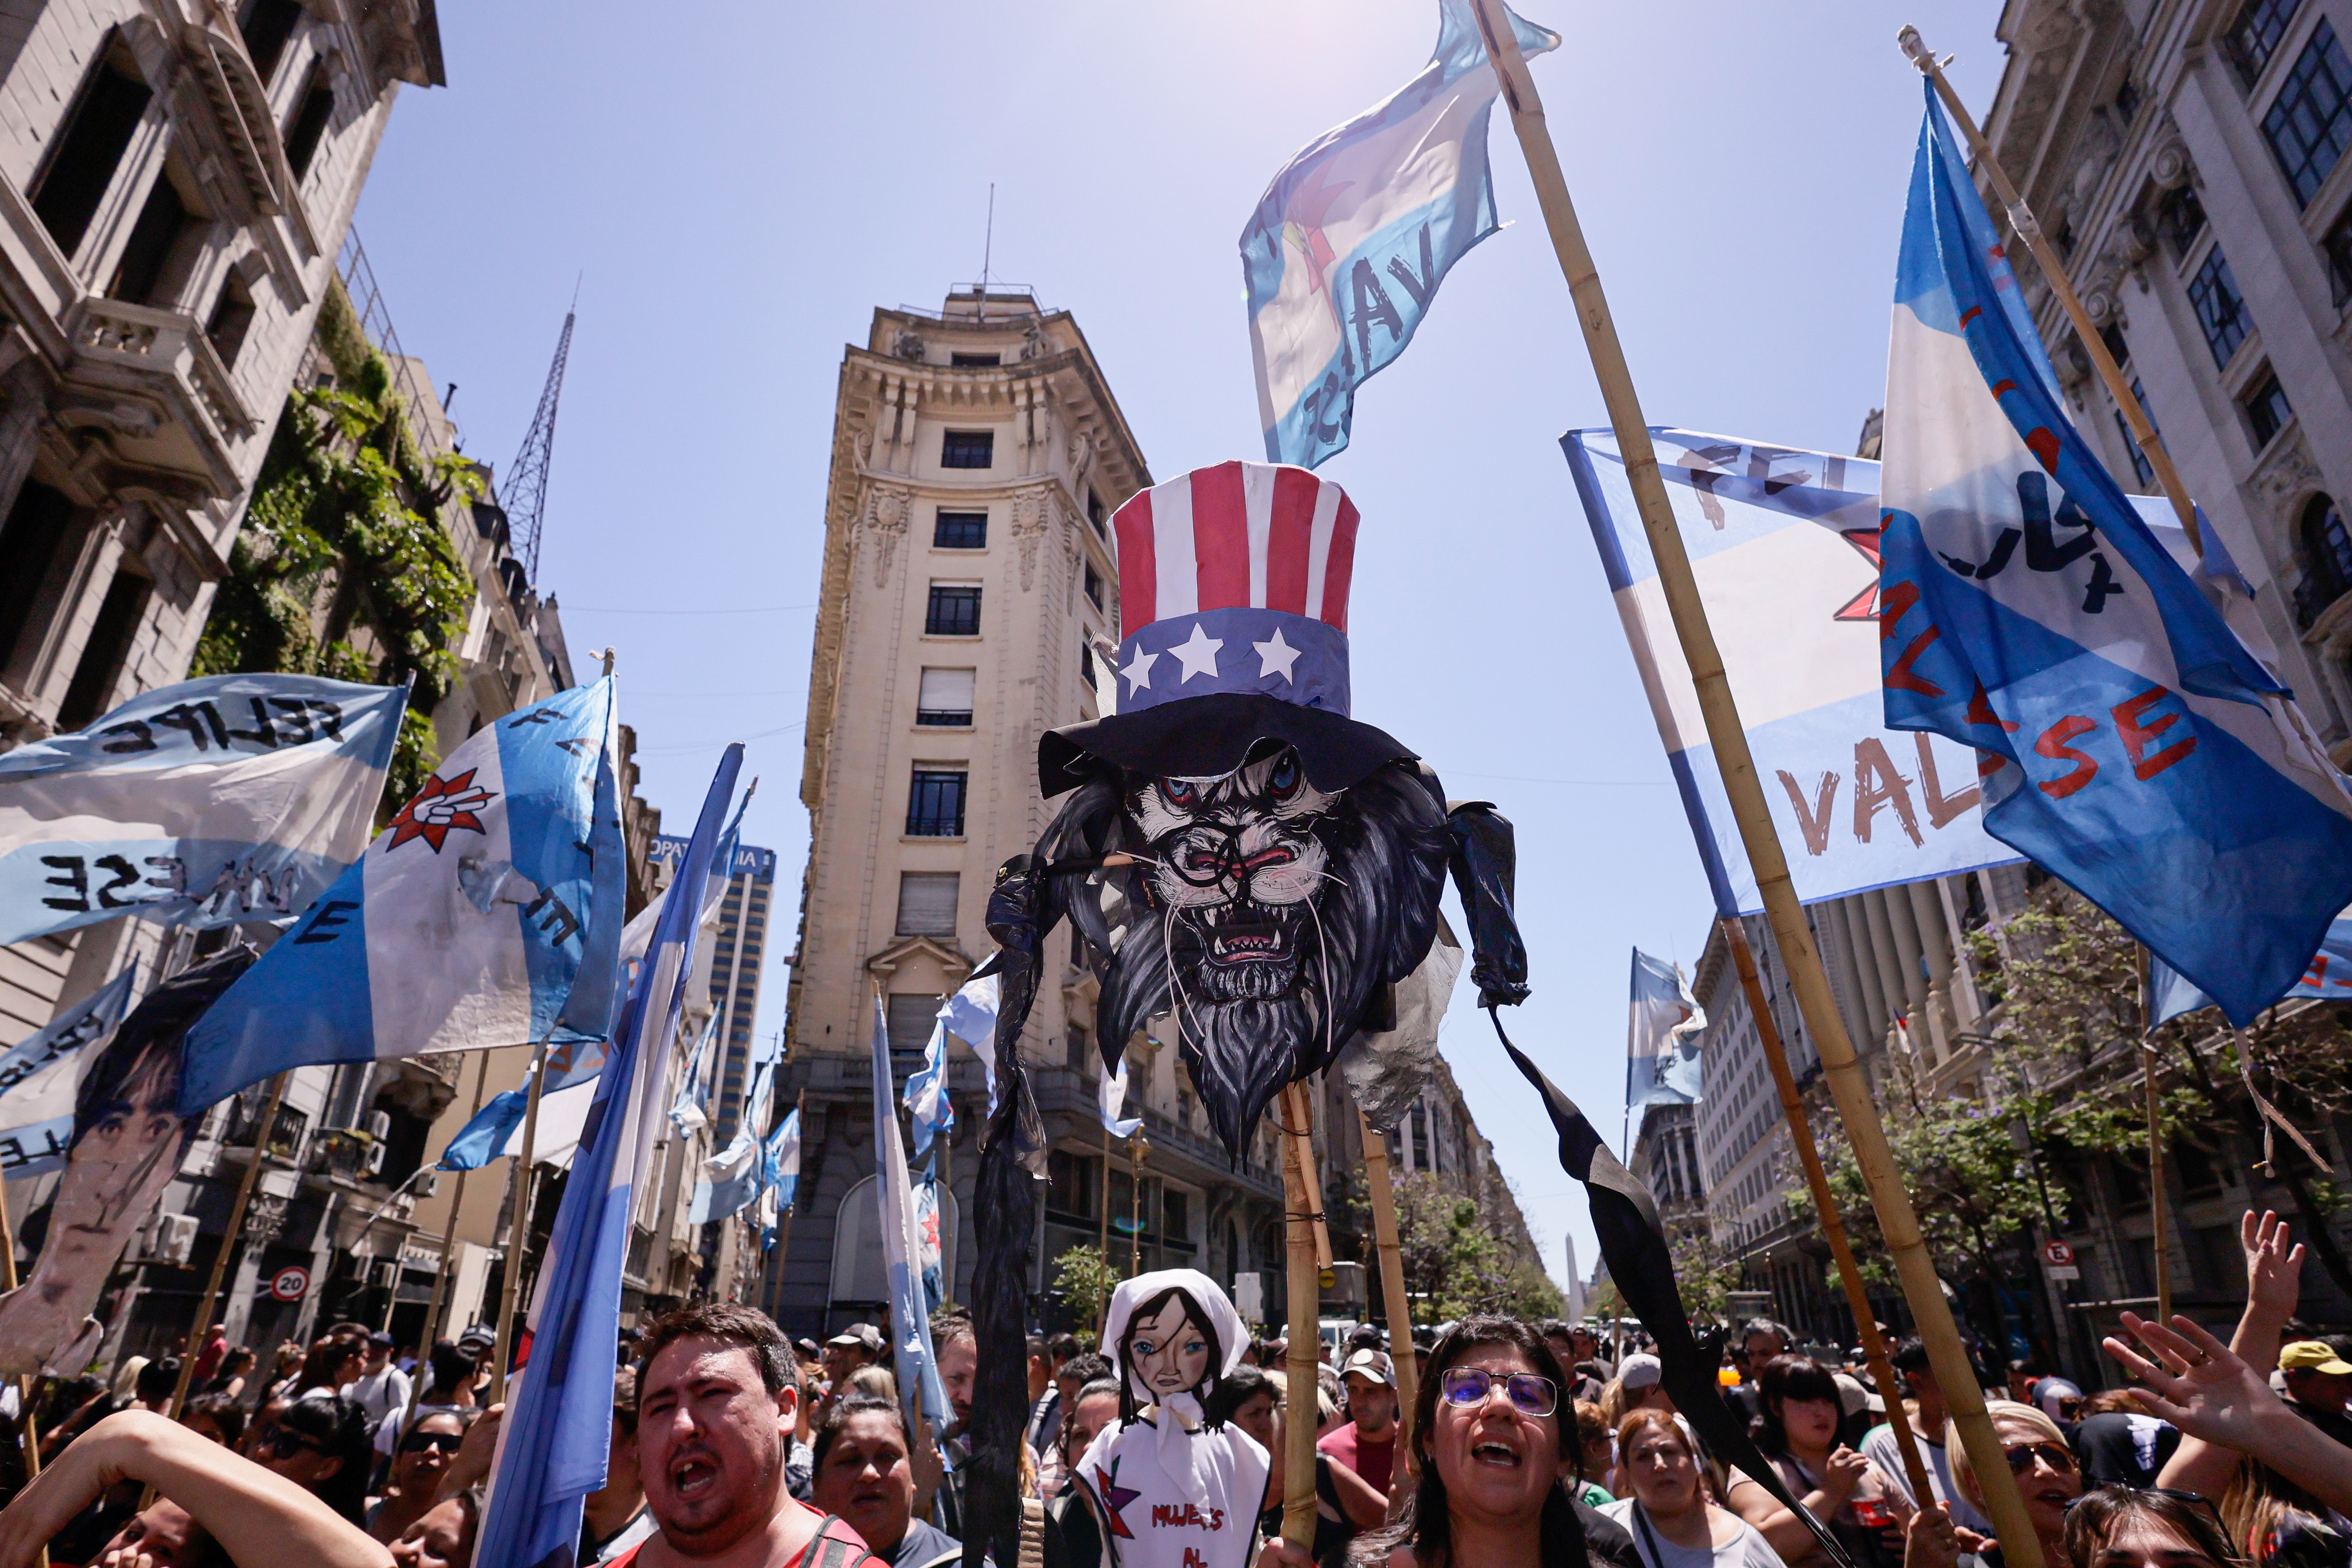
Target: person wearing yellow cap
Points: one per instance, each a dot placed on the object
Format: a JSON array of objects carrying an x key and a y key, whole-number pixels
[{"x": 2318, "y": 1380}]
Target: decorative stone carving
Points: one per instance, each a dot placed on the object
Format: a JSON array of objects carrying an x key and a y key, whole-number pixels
[
  {"x": 887, "y": 509},
  {"x": 2099, "y": 305},
  {"x": 1033, "y": 341},
  {"x": 2171, "y": 168},
  {"x": 908, "y": 344},
  {"x": 2073, "y": 365},
  {"x": 1032, "y": 510},
  {"x": 2283, "y": 477}
]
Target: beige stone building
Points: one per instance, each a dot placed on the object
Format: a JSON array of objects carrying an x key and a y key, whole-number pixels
[{"x": 970, "y": 601}]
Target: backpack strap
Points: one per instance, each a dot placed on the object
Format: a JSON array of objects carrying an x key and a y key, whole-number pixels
[{"x": 835, "y": 1545}]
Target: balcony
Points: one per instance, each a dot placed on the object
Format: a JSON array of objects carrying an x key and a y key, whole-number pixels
[
  {"x": 285, "y": 1131},
  {"x": 154, "y": 400}
]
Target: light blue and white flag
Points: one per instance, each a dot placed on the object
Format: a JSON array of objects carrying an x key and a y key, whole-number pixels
[
  {"x": 970, "y": 1017},
  {"x": 1346, "y": 249},
  {"x": 1662, "y": 1052},
  {"x": 40, "y": 1078},
  {"x": 930, "y": 1113},
  {"x": 2328, "y": 979},
  {"x": 463, "y": 927},
  {"x": 784, "y": 1161},
  {"x": 496, "y": 1131},
  {"x": 1110, "y": 1099},
  {"x": 691, "y": 1110},
  {"x": 2132, "y": 743},
  {"x": 558, "y": 1429},
  {"x": 236, "y": 797},
  {"x": 917, "y": 1367},
  {"x": 733, "y": 1177}
]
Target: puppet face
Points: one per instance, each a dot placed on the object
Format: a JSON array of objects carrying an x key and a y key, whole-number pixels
[
  {"x": 1167, "y": 1352},
  {"x": 1264, "y": 918},
  {"x": 1240, "y": 868}
]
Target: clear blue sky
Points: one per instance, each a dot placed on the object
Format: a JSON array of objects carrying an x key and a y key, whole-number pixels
[{"x": 741, "y": 184}]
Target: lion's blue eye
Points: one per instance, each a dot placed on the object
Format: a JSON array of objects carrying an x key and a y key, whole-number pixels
[{"x": 1284, "y": 780}]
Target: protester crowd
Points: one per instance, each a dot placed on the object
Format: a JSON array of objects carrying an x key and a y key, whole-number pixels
[{"x": 1532, "y": 1446}]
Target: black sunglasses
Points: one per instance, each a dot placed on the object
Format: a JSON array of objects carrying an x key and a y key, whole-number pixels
[
  {"x": 284, "y": 1443},
  {"x": 2057, "y": 1456},
  {"x": 443, "y": 1442}
]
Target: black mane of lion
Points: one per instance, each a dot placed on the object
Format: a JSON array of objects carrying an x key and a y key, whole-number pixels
[{"x": 1387, "y": 843}]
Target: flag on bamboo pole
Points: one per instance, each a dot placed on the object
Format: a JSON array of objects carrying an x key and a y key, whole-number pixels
[
  {"x": 919, "y": 1393},
  {"x": 930, "y": 1113},
  {"x": 1110, "y": 1099},
  {"x": 463, "y": 927},
  {"x": 732, "y": 1178},
  {"x": 494, "y": 1131},
  {"x": 559, "y": 1429},
  {"x": 236, "y": 797},
  {"x": 2329, "y": 978},
  {"x": 1346, "y": 249},
  {"x": 1662, "y": 1052},
  {"x": 691, "y": 1110},
  {"x": 40, "y": 1078},
  {"x": 2132, "y": 743},
  {"x": 970, "y": 1017}
]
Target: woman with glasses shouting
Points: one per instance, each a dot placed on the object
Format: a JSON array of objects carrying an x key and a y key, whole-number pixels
[
  {"x": 1492, "y": 1447},
  {"x": 2047, "y": 1473},
  {"x": 418, "y": 1466}
]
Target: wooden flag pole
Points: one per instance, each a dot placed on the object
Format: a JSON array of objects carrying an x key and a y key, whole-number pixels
[
  {"x": 441, "y": 1275},
  {"x": 2156, "y": 1185},
  {"x": 518, "y": 1231},
  {"x": 2053, "y": 268},
  {"x": 1809, "y": 1155},
  {"x": 1392, "y": 1296},
  {"x": 1301, "y": 1402},
  {"x": 228, "y": 1239},
  {"x": 1955, "y": 1374}
]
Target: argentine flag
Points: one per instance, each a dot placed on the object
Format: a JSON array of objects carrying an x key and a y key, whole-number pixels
[
  {"x": 912, "y": 1357},
  {"x": 558, "y": 1432},
  {"x": 463, "y": 927},
  {"x": 2130, "y": 742},
  {"x": 1662, "y": 1065},
  {"x": 1345, "y": 251}
]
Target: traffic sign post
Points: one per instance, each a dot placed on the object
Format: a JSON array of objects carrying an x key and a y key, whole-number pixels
[
  {"x": 2058, "y": 1259},
  {"x": 290, "y": 1283}
]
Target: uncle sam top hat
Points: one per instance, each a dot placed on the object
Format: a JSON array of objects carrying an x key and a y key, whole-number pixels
[{"x": 1232, "y": 588}]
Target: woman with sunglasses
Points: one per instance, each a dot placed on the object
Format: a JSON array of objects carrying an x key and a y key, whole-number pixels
[
  {"x": 1674, "y": 1525},
  {"x": 2132, "y": 1527},
  {"x": 320, "y": 1442},
  {"x": 418, "y": 1464},
  {"x": 2046, "y": 1471},
  {"x": 1492, "y": 1445}
]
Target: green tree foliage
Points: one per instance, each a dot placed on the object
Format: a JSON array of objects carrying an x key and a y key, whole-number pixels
[
  {"x": 1704, "y": 1274},
  {"x": 1458, "y": 1261},
  {"x": 342, "y": 568},
  {"x": 1085, "y": 1281}
]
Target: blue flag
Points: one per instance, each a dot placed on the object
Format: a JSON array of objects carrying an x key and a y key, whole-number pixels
[
  {"x": 733, "y": 1176},
  {"x": 40, "y": 1078},
  {"x": 558, "y": 1426},
  {"x": 236, "y": 797},
  {"x": 1662, "y": 1051},
  {"x": 930, "y": 1113},
  {"x": 463, "y": 927},
  {"x": 911, "y": 1354},
  {"x": 2329, "y": 978},
  {"x": 1345, "y": 251},
  {"x": 2131, "y": 742}
]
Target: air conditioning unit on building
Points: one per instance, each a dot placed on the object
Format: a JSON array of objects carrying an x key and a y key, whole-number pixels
[
  {"x": 379, "y": 1125},
  {"x": 375, "y": 1160},
  {"x": 384, "y": 1274},
  {"x": 166, "y": 1240}
]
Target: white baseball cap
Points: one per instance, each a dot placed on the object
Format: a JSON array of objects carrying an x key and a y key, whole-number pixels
[
  {"x": 1640, "y": 1370},
  {"x": 1374, "y": 1365}
]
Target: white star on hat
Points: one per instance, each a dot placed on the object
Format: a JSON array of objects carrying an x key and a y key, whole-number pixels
[
  {"x": 1199, "y": 654},
  {"x": 1138, "y": 670},
  {"x": 1276, "y": 657}
]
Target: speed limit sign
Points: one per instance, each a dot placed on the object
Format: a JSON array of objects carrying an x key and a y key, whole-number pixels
[{"x": 290, "y": 1283}]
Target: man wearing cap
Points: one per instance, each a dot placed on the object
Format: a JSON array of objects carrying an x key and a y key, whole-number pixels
[
  {"x": 380, "y": 1387},
  {"x": 2317, "y": 1383},
  {"x": 860, "y": 1345},
  {"x": 1367, "y": 1444}
]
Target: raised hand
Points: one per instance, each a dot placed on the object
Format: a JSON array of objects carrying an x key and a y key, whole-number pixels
[
  {"x": 2274, "y": 1270},
  {"x": 2197, "y": 1383}
]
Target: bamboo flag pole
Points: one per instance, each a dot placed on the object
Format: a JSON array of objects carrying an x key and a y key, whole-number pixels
[
  {"x": 1809, "y": 1155},
  {"x": 2156, "y": 1185},
  {"x": 1392, "y": 1296},
  {"x": 1896, "y": 1221},
  {"x": 1301, "y": 1400},
  {"x": 27, "y": 1439},
  {"x": 229, "y": 1238},
  {"x": 2053, "y": 268},
  {"x": 441, "y": 1275},
  {"x": 518, "y": 1231}
]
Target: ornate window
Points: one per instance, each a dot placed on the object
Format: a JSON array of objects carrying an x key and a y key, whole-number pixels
[
  {"x": 2254, "y": 36},
  {"x": 2327, "y": 559},
  {"x": 2220, "y": 308},
  {"x": 2309, "y": 123}
]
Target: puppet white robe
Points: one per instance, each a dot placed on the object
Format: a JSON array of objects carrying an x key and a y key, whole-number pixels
[{"x": 1173, "y": 1495}]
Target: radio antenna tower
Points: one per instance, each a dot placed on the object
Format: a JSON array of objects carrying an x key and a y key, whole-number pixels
[{"x": 526, "y": 486}]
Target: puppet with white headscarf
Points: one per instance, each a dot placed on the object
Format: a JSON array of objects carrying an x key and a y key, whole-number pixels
[{"x": 1170, "y": 1488}]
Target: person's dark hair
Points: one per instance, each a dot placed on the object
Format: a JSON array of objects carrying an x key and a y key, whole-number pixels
[
  {"x": 1128, "y": 1406},
  {"x": 948, "y": 1327},
  {"x": 1910, "y": 1354},
  {"x": 1234, "y": 1390},
  {"x": 828, "y": 1429},
  {"x": 1036, "y": 1347},
  {"x": 325, "y": 1359},
  {"x": 1364, "y": 1336},
  {"x": 338, "y": 1425},
  {"x": 2093, "y": 1520},
  {"x": 1427, "y": 1524},
  {"x": 156, "y": 1380},
  {"x": 227, "y": 1415},
  {"x": 237, "y": 1359},
  {"x": 1555, "y": 1328},
  {"x": 1086, "y": 1366},
  {"x": 732, "y": 1323},
  {"x": 1062, "y": 1347},
  {"x": 452, "y": 1368},
  {"x": 1784, "y": 1378},
  {"x": 1763, "y": 1326}
]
